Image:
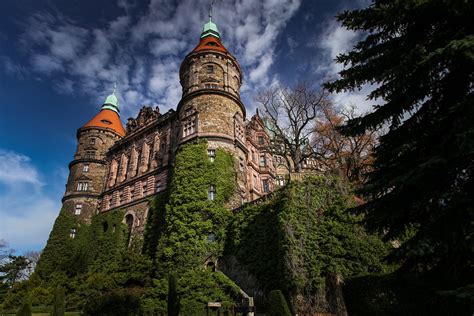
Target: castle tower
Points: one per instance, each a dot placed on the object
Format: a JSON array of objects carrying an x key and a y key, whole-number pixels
[
  {"x": 210, "y": 106},
  {"x": 87, "y": 171}
]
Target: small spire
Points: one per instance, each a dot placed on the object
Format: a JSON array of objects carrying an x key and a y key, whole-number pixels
[
  {"x": 112, "y": 102},
  {"x": 210, "y": 28}
]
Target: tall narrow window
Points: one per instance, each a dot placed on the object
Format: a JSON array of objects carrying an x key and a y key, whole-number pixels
[
  {"x": 92, "y": 141},
  {"x": 72, "y": 233},
  {"x": 261, "y": 141},
  {"x": 78, "y": 209},
  {"x": 158, "y": 186},
  {"x": 211, "y": 193},
  {"x": 263, "y": 161},
  {"x": 254, "y": 180},
  {"x": 266, "y": 187},
  {"x": 85, "y": 168},
  {"x": 212, "y": 154},
  {"x": 210, "y": 69}
]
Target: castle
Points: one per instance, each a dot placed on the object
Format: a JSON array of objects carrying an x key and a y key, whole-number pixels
[{"x": 122, "y": 168}]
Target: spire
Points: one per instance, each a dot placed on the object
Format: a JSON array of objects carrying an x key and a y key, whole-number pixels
[
  {"x": 210, "y": 28},
  {"x": 112, "y": 102}
]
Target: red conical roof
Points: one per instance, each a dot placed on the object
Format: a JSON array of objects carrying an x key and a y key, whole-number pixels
[
  {"x": 210, "y": 43},
  {"x": 107, "y": 119}
]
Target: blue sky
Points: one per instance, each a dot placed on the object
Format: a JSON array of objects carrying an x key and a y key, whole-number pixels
[{"x": 59, "y": 60}]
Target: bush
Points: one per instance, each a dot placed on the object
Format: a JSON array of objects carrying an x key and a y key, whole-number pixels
[
  {"x": 277, "y": 305},
  {"x": 25, "y": 310},
  {"x": 117, "y": 302}
]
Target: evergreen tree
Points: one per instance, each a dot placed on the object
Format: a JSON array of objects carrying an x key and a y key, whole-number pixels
[
  {"x": 420, "y": 56},
  {"x": 173, "y": 300},
  {"x": 277, "y": 305},
  {"x": 25, "y": 310},
  {"x": 59, "y": 307}
]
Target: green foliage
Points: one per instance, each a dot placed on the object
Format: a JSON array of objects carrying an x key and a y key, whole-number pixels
[
  {"x": 116, "y": 302},
  {"x": 64, "y": 256},
  {"x": 173, "y": 299},
  {"x": 59, "y": 307},
  {"x": 419, "y": 55},
  {"x": 25, "y": 310},
  {"x": 189, "y": 216},
  {"x": 277, "y": 305},
  {"x": 303, "y": 235}
]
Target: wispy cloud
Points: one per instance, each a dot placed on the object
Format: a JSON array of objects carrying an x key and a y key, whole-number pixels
[
  {"x": 142, "y": 53},
  {"x": 27, "y": 212},
  {"x": 331, "y": 42}
]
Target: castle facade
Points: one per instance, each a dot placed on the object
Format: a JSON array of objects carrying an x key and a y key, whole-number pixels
[{"x": 122, "y": 168}]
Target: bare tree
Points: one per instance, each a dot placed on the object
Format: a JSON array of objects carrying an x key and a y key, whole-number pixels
[
  {"x": 290, "y": 117},
  {"x": 349, "y": 156}
]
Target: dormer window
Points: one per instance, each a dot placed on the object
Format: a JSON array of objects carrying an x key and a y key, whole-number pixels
[
  {"x": 210, "y": 69},
  {"x": 106, "y": 122}
]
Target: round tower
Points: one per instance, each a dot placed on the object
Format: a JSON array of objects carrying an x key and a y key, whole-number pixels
[
  {"x": 210, "y": 106},
  {"x": 87, "y": 172}
]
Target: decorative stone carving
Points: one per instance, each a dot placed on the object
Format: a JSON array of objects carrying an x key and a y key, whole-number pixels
[{"x": 145, "y": 116}]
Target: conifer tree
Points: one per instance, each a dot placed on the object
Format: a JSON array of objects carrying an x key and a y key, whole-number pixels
[
  {"x": 173, "y": 300},
  {"x": 420, "y": 57},
  {"x": 59, "y": 307},
  {"x": 25, "y": 310}
]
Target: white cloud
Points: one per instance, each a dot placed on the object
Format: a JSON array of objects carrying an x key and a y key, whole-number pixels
[
  {"x": 143, "y": 53},
  {"x": 333, "y": 41},
  {"x": 27, "y": 212},
  {"x": 16, "y": 168}
]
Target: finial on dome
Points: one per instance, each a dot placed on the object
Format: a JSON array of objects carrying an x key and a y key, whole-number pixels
[
  {"x": 210, "y": 28},
  {"x": 112, "y": 102}
]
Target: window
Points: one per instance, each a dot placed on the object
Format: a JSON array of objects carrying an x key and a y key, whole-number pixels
[
  {"x": 210, "y": 69},
  {"x": 85, "y": 168},
  {"x": 210, "y": 86},
  {"x": 92, "y": 141},
  {"x": 266, "y": 187},
  {"x": 212, "y": 154},
  {"x": 241, "y": 163},
  {"x": 261, "y": 141},
  {"x": 253, "y": 155},
  {"x": 107, "y": 122},
  {"x": 82, "y": 186},
  {"x": 189, "y": 127},
  {"x": 263, "y": 161},
  {"x": 132, "y": 192},
  {"x": 158, "y": 186},
  {"x": 254, "y": 180},
  {"x": 78, "y": 209},
  {"x": 211, "y": 237},
  {"x": 211, "y": 193},
  {"x": 90, "y": 154},
  {"x": 145, "y": 188},
  {"x": 280, "y": 181},
  {"x": 72, "y": 233}
]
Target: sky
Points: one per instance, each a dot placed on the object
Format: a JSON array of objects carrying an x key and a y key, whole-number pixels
[{"x": 60, "y": 59}]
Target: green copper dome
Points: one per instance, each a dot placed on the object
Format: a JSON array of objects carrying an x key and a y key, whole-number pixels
[
  {"x": 210, "y": 29},
  {"x": 111, "y": 103}
]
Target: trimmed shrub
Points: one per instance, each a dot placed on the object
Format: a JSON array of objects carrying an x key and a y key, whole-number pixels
[
  {"x": 124, "y": 302},
  {"x": 277, "y": 305}
]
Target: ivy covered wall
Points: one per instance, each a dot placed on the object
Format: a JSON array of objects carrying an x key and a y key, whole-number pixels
[{"x": 304, "y": 242}]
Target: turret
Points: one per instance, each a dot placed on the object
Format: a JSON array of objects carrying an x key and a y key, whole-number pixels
[
  {"x": 210, "y": 106},
  {"x": 87, "y": 171}
]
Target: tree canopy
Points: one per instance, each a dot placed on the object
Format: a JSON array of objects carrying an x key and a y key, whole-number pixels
[{"x": 420, "y": 57}]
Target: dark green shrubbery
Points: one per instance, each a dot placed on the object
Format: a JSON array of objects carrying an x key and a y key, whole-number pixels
[
  {"x": 277, "y": 305},
  {"x": 25, "y": 310},
  {"x": 123, "y": 302},
  {"x": 173, "y": 299}
]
